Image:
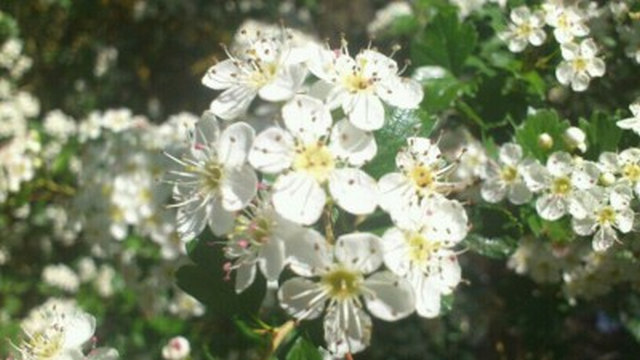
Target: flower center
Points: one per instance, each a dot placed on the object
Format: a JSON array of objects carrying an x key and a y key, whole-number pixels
[
  {"x": 509, "y": 174},
  {"x": 422, "y": 177},
  {"x": 524, "y": 30},
  {"x": 316, "y": 160},
  {"x": 43, "y": 344},
  {"x": 631, "y": 172},
  {"x": 262, "y": 74},
  {"x": 606, "y": 216},
  {"x": 580, "y": 64},
  {"x": 356, "y": 82},
  {"x": 211, "y": 176},
  {"x": 561, "y": 186},
  {"x": 342, "y": 284},
  {"x": 421, "y": 248}
]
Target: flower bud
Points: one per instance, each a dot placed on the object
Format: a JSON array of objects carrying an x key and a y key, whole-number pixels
[
  {"x": 545, "y": 141},
  {"x": 178, "y": 348},
  {"x": 575, "y": 138},
  {"x": 607, "y": 179}
]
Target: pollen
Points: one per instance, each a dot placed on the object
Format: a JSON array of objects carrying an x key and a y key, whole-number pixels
[
  {"x": 561, "y": 186},
  {"x": 606, "y": 215},
  {"x": 343, "y": 284},
  {"x": 422, "y": 177},
  {"x": 509, "y": 174},
  {"x": 631, "y": 172},
  {"x": 421, "y": 248},
  {"x": 316, "y": 160}
]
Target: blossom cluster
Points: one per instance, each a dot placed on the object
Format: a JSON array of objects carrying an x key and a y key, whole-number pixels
[{"x": 273, "y": 197}]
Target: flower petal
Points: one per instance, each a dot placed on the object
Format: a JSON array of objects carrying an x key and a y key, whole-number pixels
[
  {"x": 307, "y": 118},
  {"x": 353, "y": 190},
  {"x": 361, "y": 251},
  {"x": 272, "y": 151},
  {"x": 239, "y": 186},
  {"x": 233, "y": 102},
  {"x": 392, "y": 298},
  {"x": 301, "y": 298},
  {"x": 299, "y": 198},
  {"x": 365, "y": 111}
]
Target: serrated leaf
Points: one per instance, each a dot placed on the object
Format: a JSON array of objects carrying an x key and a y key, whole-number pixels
[
  {"x": 543, "y": 121},
  {"x": 303, "y": 349},
  {"x": 602, "y": 134},
  {"x": 442, "y": 92},
  {"x": 445, "y": 42},
  {"x": 206, "y": 282}
]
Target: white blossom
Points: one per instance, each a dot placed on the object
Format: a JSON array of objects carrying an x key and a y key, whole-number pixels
[
  {"x": 526, "y": 28},
  {"x": 580, "y": 64},
  {"x": 632, "y": 123},
  {"x": 568, "y": 22},
  {"x": 505, "y": 177}
]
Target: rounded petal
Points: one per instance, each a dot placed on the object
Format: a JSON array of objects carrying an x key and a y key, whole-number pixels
[
  {"x": 391, "y": 297},
  {"x": 427, "y": 296},
  {"x": 220, "y": 220},
  {"x": 285, "y": 84},
  {"x": 301, "y": 298},
  {"x": 272, "y": 151},
  {"x": 191, "y": 219},
  {"x": 596, "y": 67},
  {"x": 222, "y": 75},
  {"x": 564, "y": 73},
  {"x": 81, "y": 327},
  {"x": 493, "y": 190},
  {"x": 351, "y": 144},
  {"x": 309, "y": 255},
  {"x": 510, "y": 154},
  {"x": 307, "y": 118},
  {"x": 604, "y": 238},
  {"x": 447, "y": 221},
  {"x": 347, "y": 329},
  {"x": 245, "y": 275},
  {"x": 396, "y": 251},
  {"x": 583, "y": 227},
  {"x": 353, "y": 190},
  {"x": 403, "y": 93},
  {"x": 550, "y": 207},
  {"x": 560, "y": 164},
  {"x": 580, "y": 82},
  {"x": 624, "y": 220},
  {"x": 299, "y": 198},
  {"x": 519, "y": 193},
  {"x": 239, "y": 186},
  {"x": 271, "y": 259},
  {"x": 361, "y": 251},
  {"x": 395, "y": 191},
  {"x": 234, "y": 144},
  {"x": 233, "y": 102},
  {"x": 365, "y": 111}
]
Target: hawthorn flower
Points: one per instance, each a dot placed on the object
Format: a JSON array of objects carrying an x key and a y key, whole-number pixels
[
  {"x": 342, "y": 282},
  {"x": 568, "y": 22},
  {"x": 59, "y": 334},
  {"x": 603, "y": 210},
  {"x": 505, "y": 178},
  {"x": 311, "y": 158},
  {"x": 632, "y": 123},
  {"x": 420, "y": 250},
  {"x": 526, "y": 28},
  {"x": 559, "y": 181},
  {"x": 264, "y": 66},
  {"x": 362, "y": 84},
  {"x": 214, "y": 180},
  {"x": 580, "y": 65},
  {"x": 258, "y": 239},
  {"x": 627, "y": 166},
  {"x": 422, "y": 173}
]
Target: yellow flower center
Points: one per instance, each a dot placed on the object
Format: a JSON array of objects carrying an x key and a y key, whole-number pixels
[
  {"x": 316, "y": 160},
  {"x": 421, "y": 248},
  {"x": 509, "y": 174},
  {"x": 43, "y": 344},
  {"x": 211, "y": 176},
  {"x": 631, "y": 172},
  {"x": 561, "y": 186},
  {"x": 524, "y": 30},
  {"x": 422, "y": 177},
  {"x": 356, "y": 82},
  {"x": 263, "y": 74},
  {"x": 342, "y": 284},
  {"x": 606, "y": 216},
  {"x": 579, "y": 64}
]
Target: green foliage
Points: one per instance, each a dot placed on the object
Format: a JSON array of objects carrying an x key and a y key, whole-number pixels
[
  {"x": 602, "y": 134},
  {"x": 303, "y": 349},
  {"x": 541, "y": 122},
  {"x": 440, "y": 93},
  {"x": 445, "y": 42}
]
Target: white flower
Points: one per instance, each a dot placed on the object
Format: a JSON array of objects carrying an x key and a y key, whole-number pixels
[
  {"x": 59, "y": 125},
  {"x": 422, "y": 174},
  {"x": 629, "y": 168},
  {"x": 215, "y": 179},
  {"x": 569, "y": 22},
  {"x": 505, "y": 178},
  {"x": 602, "y": 210},
  {"x": 360, "y": 85},
  {"x": 311, "y": 158},
  {"x": 342, "y": 270},
  {"x": 420, "y": 250},
  {"x": 258, "y": 239},
  {"x": 185, "y": 306},
  {"x": 559, "y": 180},
  {"x": 575, "y": 138},
  {"x": 632, "y": 123},
  {"x": 385, "y": 17},
  {"x": 178, "y": 348},
  {"x": 62, "y": 277},
  {"x": 265, "y": 66},
  {"x": 60, "y": 336},
  {"x": 580, "y": 65},
  {"x": 526, "y": 28}
]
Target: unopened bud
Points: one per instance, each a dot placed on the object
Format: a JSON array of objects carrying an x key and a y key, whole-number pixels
[
  {"x": 178, "y": 348},
  {"x": 607, "y": 179},
  {"x": 545, "y": 141},
  {"x": 575, "y": 138}
]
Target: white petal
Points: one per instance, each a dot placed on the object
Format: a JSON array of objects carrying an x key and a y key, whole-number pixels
[
  {"x": 564, "y": 73},
  {"x": 365, "y": 111},
  {"x": 392, "y": 297},
  {"x": 519, "y": 193},
  {"x": 238, "y": 187},
  {"x": 361, "y": 251},
  {"x": 550, "y": 207},
  {"x": 285, "y": 84},
  {"x": 588, "y": 48},
  {"x": 560, "y": 164},
  {"x": 233, "y": 102},
  {"x": 220, "y": 220},
  {"x": 271, "y": 259},
  {"x": 353, "y": 190},
  {"x": 309, "y": 254},
  {"x": 569, "y": 50},
  {"x": 191, "y": 219},
  {"x": 234, "y": 144},
  {"x": 299, "y": 198},
  {"x": 245, "y": 275},
  {"x": 403, "y": 93},
  {"x": 346, "y": 329},
  {"x": 624, "y": 220},
  {"x": 272, "y": 151},
  {"x": 493, "y": 190},
  {"x": 353, "y": 145},
  {"x": 222, "y": 75},
  {"x": 446, "y": 273},
  {"x": 604, "y": 239},
  {"x": 396, "y": 251},
  {"x": 447, "y": 220},
  {"x": 80, "y": 327},
  {"x": 510, "y": 154},
  {"x": 630, "y": 124},
  {"x": 306, "y": 118},
  {"x": 580, "y": 82},
  {"x": 427, "y": 296},
  {"x": 395, "y": 191},
  {"x": 596, "y": 67},
  {"x": 300, "y": 298},
  {"x": 205, "y": 132},
  {"x": 583, "y": 227},
  {"x": 537, "y": 37}
]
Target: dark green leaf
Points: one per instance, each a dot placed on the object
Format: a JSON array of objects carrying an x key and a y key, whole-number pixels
[
  {"x": 303, "y": 350},
  {"x": 543, "y": 121},
  {"x": 602, "y": 134}
]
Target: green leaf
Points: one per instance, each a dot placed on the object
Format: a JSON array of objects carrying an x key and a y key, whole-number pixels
[
  {"x": 543, "y": 121},
  {"x": 446, "y": 42},
  {"x": 303, "y": 349},
  {"x": 439, "y": 94},
  {"x": 602, "y": 134},
  {"x": 393, "y": 136},
  {"x": 206, "y": 282}
]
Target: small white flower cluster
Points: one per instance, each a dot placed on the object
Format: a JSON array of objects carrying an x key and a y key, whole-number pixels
[
  {"x": 597, "y": 195},
  {"x": 312, "y": 168},
  {"x": 12, "y": 60},
  {"x": 386, "y": 16},
  {"x": 569, "y": 22},
  {"x": 58, "y": 329},
  {"x": 466, "y": 7}
]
